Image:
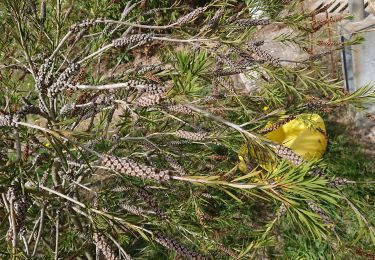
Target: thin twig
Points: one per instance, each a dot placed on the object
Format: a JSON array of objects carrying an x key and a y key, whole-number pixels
[
  {"x": 40, "y": 230},
  {"x": 92, "y": 209},
  {"x": 103, "y": 49},
  {"x": 104, "y": 87},
  {"x": 33, "y": 231},
  {"x": 26, "y": 245},
  {"x": 127, "y": 257},
  {"x": 234, "y": 185},
  {"x": 18, "y": 144},
  {"x": 179, "y": 40},
  {"x": 58, "y": 47},
  {"x": 13, "y": 226},
  {"x": 219, "y": 119},
  {"x": 139, "y": 25},
  {"x": 57, "y": 236}
]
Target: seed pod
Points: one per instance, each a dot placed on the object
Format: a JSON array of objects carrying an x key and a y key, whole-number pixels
[
  {"x": 41, "y": 105},
  {"x": 42, "y": 79},
  {"x": 132, "y": 168},
  {"x": 263, "y": 55},
  {"x": 175, "y": 165},
  {"x": 228, "y": 84},
  {"x": 246, "y": 59},
  {"x": 132, "y": 40},
  {"x": 233, "y": 17},
  {"x": 3, "y": 158},
  {"x": 59, "y": 87},
  {"x": 232, "y": 50},
  {"x": 227, "y": 72},
  {"x": 151, "y": 202},
  {"x": 180, "y": 109},
  {"x": 84, "y": 110},
  {"x": 202, "y": 217},
  {"x": 202, "y": 193},
  {"x": 198, "y": 128},
  {"x": 212, "y": 23},
  {"x": 212, "y": 98},
  {"x": 20, "y": 205},
  {"x": 20, "y": 209},
  {"x": 258, "y": 43},
  {"x": 288, "y": 154},
  {"x": 62, "y": 81},
  {"x": 31, "y": 7},
  {"x": 277, "y": 124},
  {"x": 103, "y": 246},
  {"x": 206, "y": 195},
  {"x": 282, "y": 210},
  {"x": 137, "y": 84},
  {"x": 177, "y": 247},
  {"x": 338, "y": 181},
  {"x": 103, "y": 100},
  {"x": 318, "y": 210},
  {"x": 329, "y": 43},
  {"x": 85, "y": 24},
  {"x": 317, "y": 172},
  {"x": 7, "y": 120},
  {"x": 147, "y": 145},
  {"x": 67, "y": 109},
  {"x": 43, "y": 10},
  {"x": 115, "y": 138},
  {"x": 152, "y": 77},
  {"x": 251, "y": 22},
  {"x": 316, "y": 25},
  {"x": 121, "y": 189},
  {"x": 316, "y": 105},
  {"x": 152, "y": 89},
  {"x": 150, "y": 100},
  {"x": 147, "y": 68},
  {"x": 190, "y": 16},
  {"x": 9, "y": 235},
  {"x": 226, "y": 250},
  {"x": 44, "y": 178},
  {"x": 214, "y": 87},
  {"x": 178, "y": 143},
  {"x": 133, "y": 209},
  {"x": 152, "y": 11},
  {"x": 198, "y": 136},
  {"x": 26, "y": 152},
  {"x": 68, "y": 175},
  {"x": 232, "y": 65},
  {"x": 218, "y": 157}
]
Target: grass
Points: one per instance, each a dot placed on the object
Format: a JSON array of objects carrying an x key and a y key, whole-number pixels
[
  {"x": 349, "y": 156},
  {"x": 348, "y": 153}
]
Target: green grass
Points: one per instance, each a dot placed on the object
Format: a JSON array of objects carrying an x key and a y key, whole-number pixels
[{"x": 347, "y": 156}]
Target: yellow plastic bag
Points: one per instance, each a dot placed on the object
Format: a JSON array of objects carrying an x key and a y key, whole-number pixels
[{"x": 305, "y": 135}]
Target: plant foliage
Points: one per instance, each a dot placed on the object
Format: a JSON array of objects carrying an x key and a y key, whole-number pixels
[{"x": 121, "y": 121}]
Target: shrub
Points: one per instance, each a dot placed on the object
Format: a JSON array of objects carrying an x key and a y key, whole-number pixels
[{"x": 104, "y": 154}]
